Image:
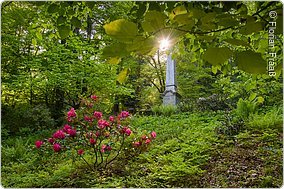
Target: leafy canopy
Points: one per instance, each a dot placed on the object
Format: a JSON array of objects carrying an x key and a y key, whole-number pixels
[{"x": 225, "y": 31}]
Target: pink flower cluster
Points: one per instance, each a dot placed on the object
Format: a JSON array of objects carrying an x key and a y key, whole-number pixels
[
  {"x": 71, "y": 114},
  {"x": 124, "y": 114},
  {"x": 92, "y": 141},
  {"x": 127, "y": 131},
  {"x": 88, "y": 119},
  {"x": 145, "y": 139},
  {"x": 80, "y": 152},
  {"x": 98, "y": 115},
  {"x": 103, "y": 123},
  {"x": 106, "y": 148},
  {"x": 67, "y": 129},
  {"x": 38, "y": 143},
  {"x": 60, "y": 134},
  {"x": 111, "y": 118},
  {"x": 56, "y": 147},
  {"x": 94, "y": 97}
]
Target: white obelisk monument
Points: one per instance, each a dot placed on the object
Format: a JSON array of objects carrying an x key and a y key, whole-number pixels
[{"x": 170, "y": 94}]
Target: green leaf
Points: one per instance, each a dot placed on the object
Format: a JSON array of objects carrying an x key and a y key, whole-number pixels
[
  {"x": 142, "y": 46},
  {"x": 61, "y": 11},
  {"x": 34, "y": 42},
  {"x": 53, "y": 8},
  {"x": 114, "y": 60},
  {"x": 141, "y": 10},
  {"x": 217, "y": 56},
  {"x": 154, "y": 6},
  {"x": 38, "y": 35},
  {"x": 214, "y": 69},
  {"x": 243, "y": 10},
  {"x": 115, "y": 50},
  {"x": 121, "y": 30},
  {"x": 70, "y": 12},
  {"x": 250, "y": 86},
  {"x": 237, "y": 42},
  {"x": 251, "y": 62},
  {"x": 61, "y": 20},
  {"x": 196, "y": 13},
  {"x": 207, "y": 21},
  {"x": 279, "y": 69},
  {"x": 279, "y": 24},
  {"x": 154, "y": 21},
  {"x": 252, "y": 96},
  {"x": 184, "y": 19},
  {"x": 206, "y": 38},
  {"x": 228, "y": 21},
  {"x": 208, "y": 17},
  {"x": 75, "y": 22},
  {"x": 90, "y": 4},
  {"x": 260, "y": 99},
  {"x": 64, "y": 31},
  {"x": 208, "y": 26},
  {"x": 121, "y": 78},
  {"x": 251, "y": 27},
  {"x": 177, "y": 11}
]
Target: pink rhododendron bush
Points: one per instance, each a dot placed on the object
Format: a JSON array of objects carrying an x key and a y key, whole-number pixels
[{"x": 89, "y": 132}]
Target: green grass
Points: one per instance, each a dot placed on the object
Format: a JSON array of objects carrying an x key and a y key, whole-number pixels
[{"x": 186, "y": 153}]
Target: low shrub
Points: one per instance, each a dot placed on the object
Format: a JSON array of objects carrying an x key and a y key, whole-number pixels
[
  {"x": 245, "y": 108},
  {"x": 213, "y": 102},
  {"x": 230, "y": 125},
  {"x": 15, "y": 152},
  {"x": 187, "y": 105},
  {"x": 24, "y": 119},
  {"x": 88, "y": 133},
  {"x": 165, "y": 110},
  {"x": 272, "y": 119}
]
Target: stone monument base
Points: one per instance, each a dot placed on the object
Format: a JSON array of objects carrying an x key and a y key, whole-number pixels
[{"x": 171, "y": 98}]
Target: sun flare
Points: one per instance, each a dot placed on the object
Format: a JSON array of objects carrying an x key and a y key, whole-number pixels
[{"x": 164, "y": 44}]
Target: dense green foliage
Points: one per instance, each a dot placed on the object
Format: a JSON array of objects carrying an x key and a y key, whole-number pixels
[
  {"x": 203, "y": 27},
  {"x": 225, "y": 132}
]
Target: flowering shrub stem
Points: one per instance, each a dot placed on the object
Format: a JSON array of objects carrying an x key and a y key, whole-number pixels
[
  {"x": 122, "y": 143},
  {"x": 101, "y": 154},
  {"x": 96, "y": 157},
  {"x": 106, "y": 160},
  {"x": 87, "y": 163}
]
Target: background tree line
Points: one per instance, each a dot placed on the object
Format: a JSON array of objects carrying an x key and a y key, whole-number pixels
[{"x": 54, "y": 53}]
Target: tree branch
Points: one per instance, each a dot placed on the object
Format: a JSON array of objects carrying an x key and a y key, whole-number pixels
[
  {"x": 262, "y": 9},
  {"x": 157, "y": 70},
  {"x": 161, "y": 71},
  {"x": 207, "y": 32}
]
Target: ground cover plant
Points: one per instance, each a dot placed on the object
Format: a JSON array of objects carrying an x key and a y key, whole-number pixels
[
  {"x": 83, "y": 86},
  {"x": 186, "y": 153}
]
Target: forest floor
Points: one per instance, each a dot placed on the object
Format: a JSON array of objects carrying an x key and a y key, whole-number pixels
[{"x": 187, "y": 153}]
